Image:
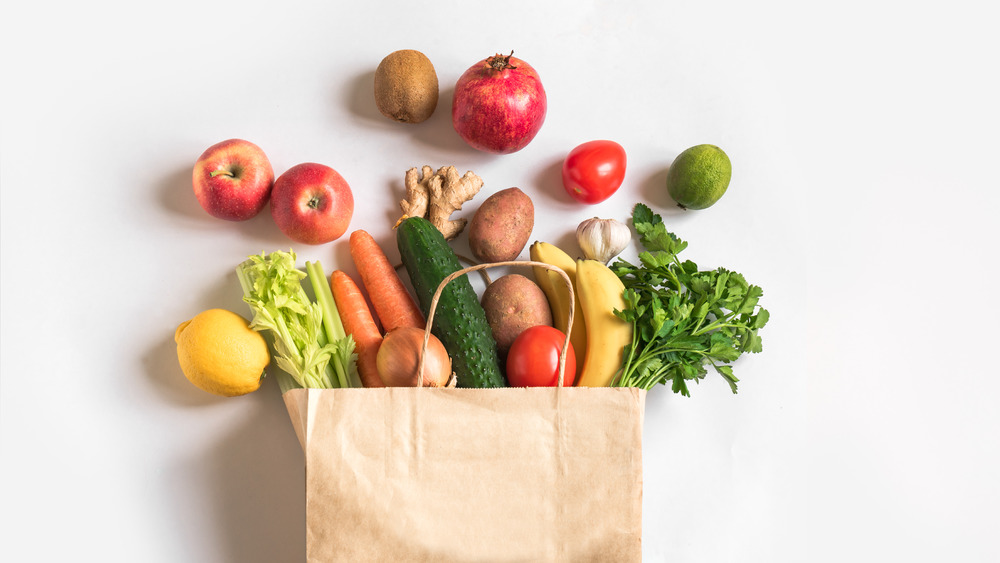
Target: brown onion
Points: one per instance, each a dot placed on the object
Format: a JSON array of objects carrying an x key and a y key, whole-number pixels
[{"x": 399, "y": 355}]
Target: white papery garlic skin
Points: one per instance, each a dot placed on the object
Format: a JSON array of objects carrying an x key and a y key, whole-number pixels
[{"x": 602, "y": 239}]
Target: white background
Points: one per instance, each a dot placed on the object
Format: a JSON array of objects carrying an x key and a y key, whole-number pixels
[{"x": 863, "y": 141}]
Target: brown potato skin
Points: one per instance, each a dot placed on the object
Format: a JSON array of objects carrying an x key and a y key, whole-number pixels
[
  {"x": 514, "y": 303},
  {"x": 501, "y": 226}
]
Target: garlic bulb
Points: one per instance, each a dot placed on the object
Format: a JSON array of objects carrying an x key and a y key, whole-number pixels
[{"x": 602, "y": 239}]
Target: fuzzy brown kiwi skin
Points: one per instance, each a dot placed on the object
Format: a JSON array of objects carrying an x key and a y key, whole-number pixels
[{"x": 406, "y": 86}]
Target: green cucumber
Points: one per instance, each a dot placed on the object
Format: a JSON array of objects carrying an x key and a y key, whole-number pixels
[{"x": 459, "y": 319}]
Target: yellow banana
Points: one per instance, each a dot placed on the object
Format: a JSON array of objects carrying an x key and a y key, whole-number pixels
[
  {"x": 558, "y": 296},
  {"x": 600, "y": 293}
]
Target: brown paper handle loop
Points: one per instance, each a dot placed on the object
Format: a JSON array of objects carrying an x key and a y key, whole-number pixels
[
  {"x": 476, "y": 267},
  {"x": 485, "y": 276}
]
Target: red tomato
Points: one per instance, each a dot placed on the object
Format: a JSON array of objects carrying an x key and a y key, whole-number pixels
[
  {"x": 594, "y": 170},
  {"x": 533, "y": 358}
]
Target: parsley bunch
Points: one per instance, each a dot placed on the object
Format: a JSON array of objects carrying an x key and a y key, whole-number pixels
[{"x": 683, "y": 319}]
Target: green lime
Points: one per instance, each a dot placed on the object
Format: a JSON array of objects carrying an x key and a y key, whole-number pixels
[{"x": 699, "y": 176}]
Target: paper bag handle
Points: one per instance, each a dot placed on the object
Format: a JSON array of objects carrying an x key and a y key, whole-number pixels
[{"x": 463, "y": 271}]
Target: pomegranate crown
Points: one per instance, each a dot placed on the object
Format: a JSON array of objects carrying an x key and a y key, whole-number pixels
[{"x": 500, "y": 62}]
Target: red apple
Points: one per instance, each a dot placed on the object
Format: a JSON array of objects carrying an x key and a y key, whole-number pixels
[
  {"x": 312, "y": 203},
  {"x": 232, "y": 180}
]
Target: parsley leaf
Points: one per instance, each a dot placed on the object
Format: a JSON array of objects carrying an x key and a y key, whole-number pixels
[{"x": 685, "y": 320}]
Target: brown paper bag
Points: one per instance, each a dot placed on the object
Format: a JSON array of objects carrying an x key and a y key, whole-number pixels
[{"x": 476, "y": 475}]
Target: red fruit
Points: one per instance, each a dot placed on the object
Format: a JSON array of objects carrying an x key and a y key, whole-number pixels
[
  {"x": 232, "y": 180},
  {"x": 593, "y": 171},
  {"x": 312, "y": 204},
  {"x": 533, "y": 359},
  {"x": 499, "y": 104}
]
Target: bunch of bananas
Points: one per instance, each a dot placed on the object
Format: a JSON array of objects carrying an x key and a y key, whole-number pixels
[{"x": 597, "y": 335}]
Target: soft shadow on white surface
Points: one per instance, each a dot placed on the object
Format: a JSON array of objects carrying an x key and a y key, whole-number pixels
[
  {"x": 176, "y": 197},
  {"x": 255, "y": 480},
  {"x": 163, "y": 373},
  {"x": 166, "y": 378},
  {"x": 246, "y": 489},
  {"x": 360, "y": 97},
  {"x": 435, "y": 132},
  {"x": 249, "y": 481},
  {"x": 248, "y": 484},
  {"x": 654, "y": 191},
  {"x": 548, "y": 184}
]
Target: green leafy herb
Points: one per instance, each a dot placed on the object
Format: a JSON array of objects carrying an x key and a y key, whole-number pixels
[
  {"x": 310, "y": 344},
  {"x": 684, "y": 319}
]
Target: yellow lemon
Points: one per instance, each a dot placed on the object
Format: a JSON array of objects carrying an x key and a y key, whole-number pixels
[{"x": 220, "y": 353}]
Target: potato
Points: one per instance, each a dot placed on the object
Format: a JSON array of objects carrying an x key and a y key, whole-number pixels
[
  {"x": 501, "y": 226},
  {"x": 514, "y": 303}
]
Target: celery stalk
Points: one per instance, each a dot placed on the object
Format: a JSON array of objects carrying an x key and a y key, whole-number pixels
[
  {"x": 306, "y": 345},
  {"x": 284, "y": 379},
  {"x": 344, "y": 360}
]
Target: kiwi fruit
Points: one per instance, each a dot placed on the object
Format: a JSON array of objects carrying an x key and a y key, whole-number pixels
[{"x": 406, "y": 86}]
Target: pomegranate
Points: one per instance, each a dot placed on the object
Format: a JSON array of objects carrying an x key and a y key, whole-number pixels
[{"x": 499, "y": 104}]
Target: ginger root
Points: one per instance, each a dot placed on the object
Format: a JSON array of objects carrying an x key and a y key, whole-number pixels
[{"x": 436, "y": 195}]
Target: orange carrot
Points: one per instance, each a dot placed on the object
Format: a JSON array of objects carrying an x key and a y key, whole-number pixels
[
  {"x": 393, "y": 304},
  {"x": 358, "y": 323}
]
